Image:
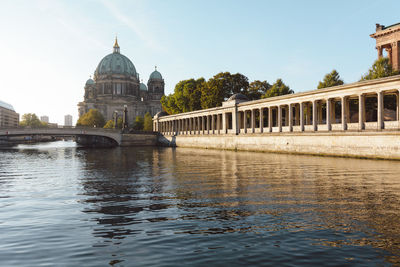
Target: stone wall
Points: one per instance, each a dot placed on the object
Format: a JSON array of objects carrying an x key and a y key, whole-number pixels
[{"x": 377, "y": 145}]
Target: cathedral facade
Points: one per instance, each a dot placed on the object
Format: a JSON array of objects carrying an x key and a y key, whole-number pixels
[{"x": 116, "y": 84}]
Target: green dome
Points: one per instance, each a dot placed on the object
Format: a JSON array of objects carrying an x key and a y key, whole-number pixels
[
  {"x": 155, "y": 75},
  {"x": 143, "y": 87},
  {"x": 116, "y": 63},
  {"x": 89, "y": 82}
]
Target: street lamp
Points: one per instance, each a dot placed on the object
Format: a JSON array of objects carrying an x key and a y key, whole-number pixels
[{"x": 115, "y": 119}]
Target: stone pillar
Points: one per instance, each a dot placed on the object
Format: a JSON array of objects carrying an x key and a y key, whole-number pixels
[
  {"x": 270, "y": 119},
  {"x": 396, "y": 55},
  {"x": 253, "y": 121},
  {"x": 328, "y": 114},
  {"x": 239, "y": 121},
  {"x": 203, "y": 130},
  {"x": 261, "y": 120},
  {"x": 361, "y": 113},
  {"x": 301, "y": 115},
  {"x": 380, "y": 111},
  {"x": 380, "y": 52},
  {"x": 198, "y": 125},
  {"x": 235, "y": 121},
  {"x": 279, "y": 118},
  {"x": 314, "y": 116},
  {"x": 190, "y": 125},
  {"x": 219, "y": 123},
  {"x": 245, "y": 121},
  {"x": 290, "y": 115},
  {"x": 212, "y": 124},
  {"x": 344, "y": 112},
  {"x": 224, "y": 122}
]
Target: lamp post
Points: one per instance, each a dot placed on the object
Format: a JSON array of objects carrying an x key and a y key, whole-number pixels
[
  {"x": 125, "y": 117},
  {"x": 115, "y": 119}
]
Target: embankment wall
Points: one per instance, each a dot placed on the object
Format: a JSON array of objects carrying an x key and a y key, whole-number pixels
[{"x": 377, "y": 145}]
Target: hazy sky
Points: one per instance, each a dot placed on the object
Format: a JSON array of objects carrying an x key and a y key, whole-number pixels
[{"x": 48, "y": 49}]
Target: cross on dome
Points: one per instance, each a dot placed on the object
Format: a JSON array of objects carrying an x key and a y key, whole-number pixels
[{"x": 116, "y": 46}]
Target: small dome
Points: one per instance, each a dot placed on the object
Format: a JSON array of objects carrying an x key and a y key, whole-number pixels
[
  {"x": 161, "y": 114},
  {"x": 155, "y": 75},
  {"x": 238, "y": 96},
  {"x": 143, "y": 87},
  {"x": 89, "y": 82}
]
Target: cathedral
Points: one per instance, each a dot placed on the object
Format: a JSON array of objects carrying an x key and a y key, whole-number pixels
[{"x": 116, "y": 84}]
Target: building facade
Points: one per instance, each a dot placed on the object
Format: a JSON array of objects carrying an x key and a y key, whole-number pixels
[
  {"x": 388, "y": 39},
  {"x": 44, "y": 119},
  {"x": 68, "y": 120},
  {"x": 8, "y": 116},
  {"x": 117, "y": 84}
]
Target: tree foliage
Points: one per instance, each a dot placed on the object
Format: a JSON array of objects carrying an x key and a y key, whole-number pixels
[
  {"x": 277, "y": 89},
  {"x": 138, "y": 123},
  {"x": 190, "y": 95},
  {"x": 93, "y": 118},
  {"x": 109, "y": 124},
  {"x": 257, "y": 89},
  {"x": 32, "y": 120},
  {"x": 380, "y": 69},
  {"x": 330, "y": 79},
  {"x": 148, "y": 122}
]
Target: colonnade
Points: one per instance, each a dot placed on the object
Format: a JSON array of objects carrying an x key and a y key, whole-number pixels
[{"x": 370, "y": 105}]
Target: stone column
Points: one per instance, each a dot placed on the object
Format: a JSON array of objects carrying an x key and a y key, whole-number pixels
[
  {"x": 213, "y": 124},
  {"x": 190, "y": 125},
  {"x": 219, "y": 123},
  {"x": 380, "y": 111},
  {"x": 280, "y": 118},
  {"x": 290, "y": 115},
  {"x": 203, "y": 130},
  {"x": 245, "y": 121},
  {"x": 261, "y": 120},
  {"x": 361, "y": 114},
  {"x": 224, "y": 122},
  {"x": 344, "y": 112},
  {"x": 239, "y": 121},
  {"x": 301, "y": 115},
  {"x": 270, "y": 119},
  {"x": 235, "y": 120},
  {"x": 396, "y": 55},
  {"x": 314, "y": 109},
  {"x": 328, "y": 114},
  {"x": 380, "y": 51},
  {"x": 198, "y": 125},
  {"x": 253, "y": 121}
]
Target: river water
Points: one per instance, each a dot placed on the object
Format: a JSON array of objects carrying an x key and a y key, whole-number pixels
[{"x": 61, "y": 205}]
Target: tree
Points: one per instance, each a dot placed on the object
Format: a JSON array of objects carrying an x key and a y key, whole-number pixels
[
  {"x": 220, "y": 87},
  {"x": 109, "y": 124},
  {"x": 277, "y": 89},
  {"x": 92, "y": 118},
  {"x": 148, "y": 122},
  {"x": 186, "y": 97},
  {"x": 257, "y": 89},
  {"x": 380, "y": 69},
  {"x": 32, "y": 120},
  {"x": 330, "y": 79},
  {"x": 138, "y": 124}
]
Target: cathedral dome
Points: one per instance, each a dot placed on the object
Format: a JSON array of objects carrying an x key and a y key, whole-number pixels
[
  {"x": 155, "y": 75},
  {"x": 116, "y": 63},
  {"x": 143, "y": 87}
]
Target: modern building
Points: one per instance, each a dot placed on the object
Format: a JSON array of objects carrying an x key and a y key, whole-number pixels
[
  {"x": 68, "y": 120},
  {"x": 8, "y": 116},
  {"x": 388, "y": 39},
  {"x": 116, "y": 83},
  {"x": 44, "y": 119}
]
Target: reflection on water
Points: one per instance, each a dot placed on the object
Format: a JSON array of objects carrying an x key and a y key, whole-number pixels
[{"x": 63, "y": 205}]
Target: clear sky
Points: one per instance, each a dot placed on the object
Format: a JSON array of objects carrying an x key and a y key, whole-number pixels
[{"x": 49, "y": 48}]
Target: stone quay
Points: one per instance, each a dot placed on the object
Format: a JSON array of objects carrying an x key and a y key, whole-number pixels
[{"x": 357, "y": 120}]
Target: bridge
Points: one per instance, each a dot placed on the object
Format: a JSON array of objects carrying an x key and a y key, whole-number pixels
[{"x": 84, "y": 135}]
